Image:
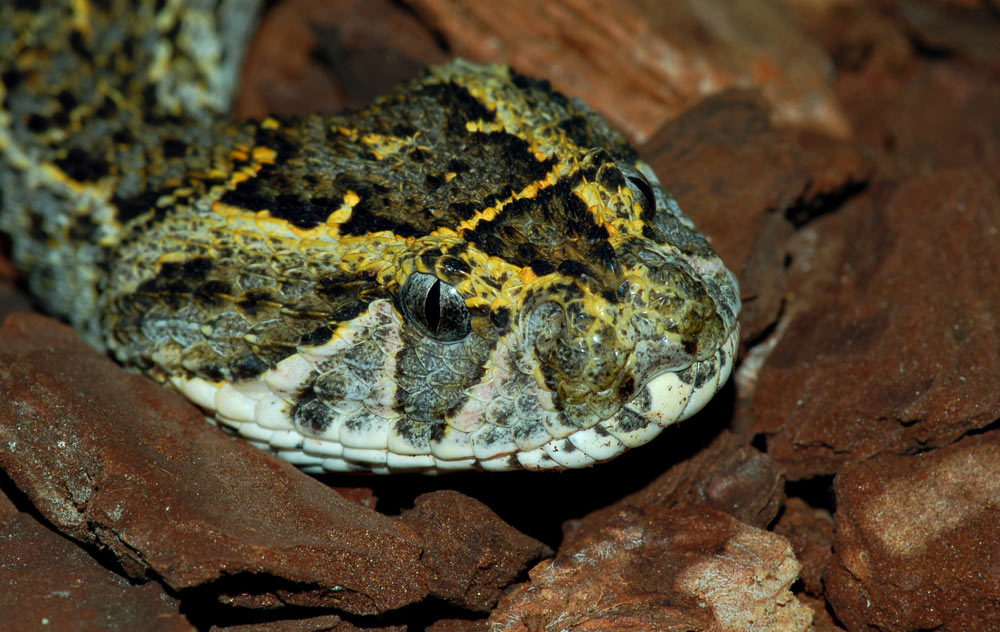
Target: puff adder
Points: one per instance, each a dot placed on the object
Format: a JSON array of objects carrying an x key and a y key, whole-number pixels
[{"x": 472, "y": 272}]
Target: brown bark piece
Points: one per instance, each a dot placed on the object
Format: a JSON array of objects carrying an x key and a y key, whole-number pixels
[
  {"x": 655, "y": 568},
  {"x": 642, "y": 62},
  {"x": 312, "y": 56},
  {"x": 727, "y": 475},
  {"x": 918, "y": 539},
  {"x": 900, "y": 347},
  {"x": 49, "y": 583},
  {"x": 472, "y": 554},
  {"x": 810, "y": 532},
  {"x": 118, "y": 461}
]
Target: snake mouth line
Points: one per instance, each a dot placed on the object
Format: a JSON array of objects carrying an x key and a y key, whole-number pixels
[{"x": 666, "y": 399}]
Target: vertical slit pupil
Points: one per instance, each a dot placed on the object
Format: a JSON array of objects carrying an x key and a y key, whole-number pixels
[{"x": 432, "y": 307}]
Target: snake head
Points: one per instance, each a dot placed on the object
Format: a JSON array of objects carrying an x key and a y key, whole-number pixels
[{"x": 621, "y": 346}]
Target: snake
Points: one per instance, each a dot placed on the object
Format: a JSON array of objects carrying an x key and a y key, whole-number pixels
[{"x": 474, "y": 271}]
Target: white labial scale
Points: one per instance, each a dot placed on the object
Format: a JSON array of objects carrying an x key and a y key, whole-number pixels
[
  {"x": 536, "y": 459},
  {"x": 300, "y": 458},
  {"x": 367, "y": 432},
  {"x": 285, "y": 440},
  {"x": 497, "y": 464},
  {"x": 340, "y": 465},
  {"x": 248, "y": 430},
  {"x": 668, "y": 396},
  {"x": 555, "y": 427},
  {"x": 723, "y": 360},
  {"x": 530, "y": 434},
  {"x": 408, "y": 462},
  {"x": 254, "y": 388},
  {"x": 568, "y": 455},
  {"x": 290, "y": 375},
  {"x": 492, "y": 441},
  {"x": 272, "y": 412},
  {"x": 201, "y": 392},
  {"x": 260, "y": 445},
  {"x": 701, "y": 395},
  {"x": 321, "y": 448},
  {"x": 600, "y": 446},
  {"x": 632, "y": 438},
  {"x": 455, "y": 465},
  {"x": 367, "y": 457},
  {"x": 454, "y": 446},
  {"x": 233, "y": 404},
  {"x": 492, "y": 386},
  {"x": 397, "y": 443}
]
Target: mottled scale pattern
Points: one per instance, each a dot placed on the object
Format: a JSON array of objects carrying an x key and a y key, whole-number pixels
[{"x": 474, "y": 271}]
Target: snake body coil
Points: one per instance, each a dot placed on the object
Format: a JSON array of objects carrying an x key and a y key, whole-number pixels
[{"x": 472, "y": 272}]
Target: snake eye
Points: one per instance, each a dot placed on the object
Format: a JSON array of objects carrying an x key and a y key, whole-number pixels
[
  {"x": 639, "y": 183},
  {"x": 434, "y": 308}
]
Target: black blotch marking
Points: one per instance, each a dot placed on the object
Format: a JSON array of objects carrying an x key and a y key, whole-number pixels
[
  {"x": 542, "y": 85},
  {"x": 277, "y": 140},
  {"x": 306, "y": 213},
  {"x": 555, "y": 225},
  {"x": 415, "y": 432},
  {"x": 364, "y": 220},
  {"x": 690, "y": 346},
  {"x": 403, "y": 130},
  {"x": 212, "y": 293},
  {"x": 528, "y": 252},
  {"x": 37, "y": 124},
  {"x": 253, "y": 301},
  {"x": 437, "y": 433},
  {"x": 568, "y": 447},
  {"x": 302, "y": 212},
  {"x": 430, "y": 259},
  {"x": 310, "y": 412},
  {"x": 610, "y": 296},
  {"x": 132, "y": 207},
  {"x": 433, "y": 181},
  {"x": 123, "y": 137},
  {"x": 572, "y": 268},
  {"x": 577, "y": 129},
  {"x": 107, "y": 109},
  {"x": 500, "y": 317},
  {"x": 629, "y": 421},
  {"x": 196, "y": 268},
  {"x": 453, "y": 266},
  {"x": 319, "y": 336},
  {"x": 78, "y": 46},
  {"x": 173, "y": 148},
  {"x": 417, "y": 155},
  {"x": 81, "y": 166},
  {"x": 542, "y": 267},
  {"x": 67, "y": 100},
  {"x": 626, "y": 388},
  {"x": 247, "y": 366},
  {"x": 462, "y": 210},
  {"x": 458, "y": 104}
]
